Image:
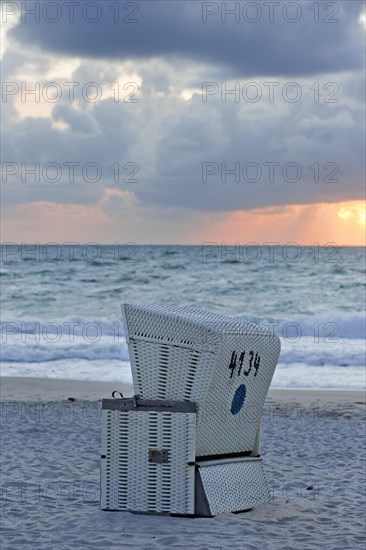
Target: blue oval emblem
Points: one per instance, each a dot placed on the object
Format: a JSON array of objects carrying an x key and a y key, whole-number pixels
[{"x": 238, "y": 399}]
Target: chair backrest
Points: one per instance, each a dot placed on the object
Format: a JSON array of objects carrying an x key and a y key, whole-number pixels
[{"x": 222, "y": 363}]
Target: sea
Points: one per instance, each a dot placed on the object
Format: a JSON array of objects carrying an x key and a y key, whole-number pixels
[{"x": 61, "y": 304}]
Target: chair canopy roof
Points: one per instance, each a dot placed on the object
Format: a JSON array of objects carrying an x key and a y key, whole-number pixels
[{"x": 187, "y": 326}]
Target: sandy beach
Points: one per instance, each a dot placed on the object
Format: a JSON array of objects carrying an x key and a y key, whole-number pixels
[
  {"x": 311, "y": 443},
  {"x": 182, "y": 208}
]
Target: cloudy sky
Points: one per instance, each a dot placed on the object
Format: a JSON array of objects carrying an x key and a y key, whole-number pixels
[{"x": 183, "y": 121}]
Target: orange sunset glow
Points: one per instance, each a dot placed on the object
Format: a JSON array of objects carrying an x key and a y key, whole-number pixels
[{"x": 340, "y": 223}]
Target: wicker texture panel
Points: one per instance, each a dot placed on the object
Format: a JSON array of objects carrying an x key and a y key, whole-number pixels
[
  {"x": 222, "y": 428},
  {"x": 183, "y": 326},
  {"x": 234, "y": 486},
  {"x": 128, "y": 480},
  {"x": 160, "y": 371}
]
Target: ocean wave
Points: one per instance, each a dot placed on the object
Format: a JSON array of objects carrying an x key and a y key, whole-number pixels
[
  {"x": 40, "y": 353},
  {"x": 75, "y": 326},
  {"x": 333, "y": 340},
  {"x": 74, "y": 369},
  {"x": 27, "y": 348},
  {"x": 345, "y": 353},
  {"x": 330, "y": 326}
]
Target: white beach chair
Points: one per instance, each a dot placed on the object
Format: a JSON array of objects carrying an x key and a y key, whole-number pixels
[{"x": 188, "y": 443}]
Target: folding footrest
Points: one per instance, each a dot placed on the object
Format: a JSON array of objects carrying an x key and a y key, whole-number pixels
[{"x": 230, "y": 485}]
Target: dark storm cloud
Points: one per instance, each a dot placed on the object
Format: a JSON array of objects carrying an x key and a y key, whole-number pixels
[
  {"x": 304, "y": 135},
  {"x": 176, "y": 29},
  {"x": 170, "y": 138},
  {"x": 91, "y": 137}
]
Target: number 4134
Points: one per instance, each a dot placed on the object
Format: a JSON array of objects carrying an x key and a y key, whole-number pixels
[{"x": 237, "y": 365}]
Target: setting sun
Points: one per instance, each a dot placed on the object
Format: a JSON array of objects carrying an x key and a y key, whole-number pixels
[{"x": 355, "y": 212}]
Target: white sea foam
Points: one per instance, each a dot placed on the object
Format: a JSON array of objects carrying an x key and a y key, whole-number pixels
[
  {"x": 100, "y": 353},
  {"x": 329, "y": 327}
]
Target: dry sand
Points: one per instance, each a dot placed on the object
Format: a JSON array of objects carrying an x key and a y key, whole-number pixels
[{"x": 312, "y": 445}]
